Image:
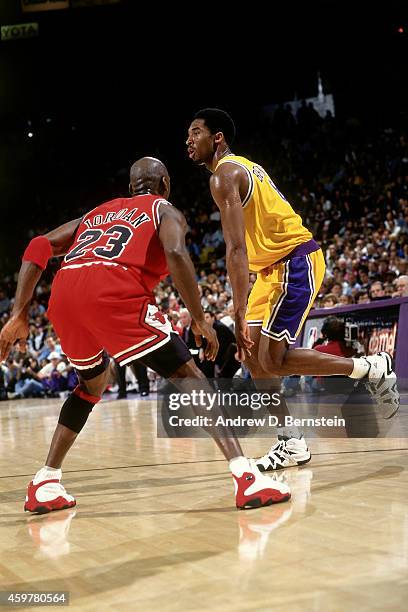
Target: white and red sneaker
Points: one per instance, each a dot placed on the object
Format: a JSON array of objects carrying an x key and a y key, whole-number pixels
[
  {"x": 253, "y": 489},
  {"x": 45, "y": 493}
]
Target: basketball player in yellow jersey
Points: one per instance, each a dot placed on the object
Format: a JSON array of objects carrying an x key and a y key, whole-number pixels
[{"x": 263, "y": 234}]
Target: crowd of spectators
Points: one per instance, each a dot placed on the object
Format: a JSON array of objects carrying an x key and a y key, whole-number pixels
[
  {"x": 349, "y": 183},
  {"x": 36, "y": 367}
]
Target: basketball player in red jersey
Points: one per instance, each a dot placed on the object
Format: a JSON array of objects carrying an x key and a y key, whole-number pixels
[{"x": 102, "y": 304}]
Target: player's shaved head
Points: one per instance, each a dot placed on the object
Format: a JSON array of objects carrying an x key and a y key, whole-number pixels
[{"x": 149, "y": 175}]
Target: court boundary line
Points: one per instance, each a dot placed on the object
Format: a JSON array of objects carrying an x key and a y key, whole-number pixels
[{"x": 127, "y": 467}]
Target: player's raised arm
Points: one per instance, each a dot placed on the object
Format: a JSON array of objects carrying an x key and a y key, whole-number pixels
[
  {"x": 35, "y": 259},
  {"x": 172, "y": 234},
  {"x": 224, "y": 185}
]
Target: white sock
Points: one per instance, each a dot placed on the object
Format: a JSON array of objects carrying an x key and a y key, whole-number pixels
[
  {"x": 239, "y": 465},
  {"x": 361, "y": 367},
  {"x": 47, "y": 473},
  {"x": 290, "y": 432}
]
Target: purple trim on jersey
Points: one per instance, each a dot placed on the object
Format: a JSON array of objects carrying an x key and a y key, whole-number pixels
[{"x": 298, "y": 290}]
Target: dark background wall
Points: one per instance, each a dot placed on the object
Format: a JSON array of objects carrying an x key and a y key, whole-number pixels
[{"x": 104, "y": 85}]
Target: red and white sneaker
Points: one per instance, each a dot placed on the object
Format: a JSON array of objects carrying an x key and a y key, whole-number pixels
[
  {"x": 253, "y": 489},
  {"x": 45, "y": 493}
]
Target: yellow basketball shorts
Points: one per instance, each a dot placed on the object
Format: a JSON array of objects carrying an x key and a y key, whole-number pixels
[{"x": 283, "y": 294}]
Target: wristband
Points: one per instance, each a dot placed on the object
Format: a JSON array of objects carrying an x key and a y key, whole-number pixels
[{"x": 38, "y": 252}]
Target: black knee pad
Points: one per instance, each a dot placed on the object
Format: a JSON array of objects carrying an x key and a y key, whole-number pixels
[{"x": 75, "y": 412}]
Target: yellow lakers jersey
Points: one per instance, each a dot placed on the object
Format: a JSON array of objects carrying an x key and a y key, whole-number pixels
[{"x": 272, "y": 228}]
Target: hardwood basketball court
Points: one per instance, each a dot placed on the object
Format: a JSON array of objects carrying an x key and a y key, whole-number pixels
[{"x": 156, "y": 528}]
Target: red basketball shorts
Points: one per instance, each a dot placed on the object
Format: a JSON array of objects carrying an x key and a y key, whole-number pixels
[{"x": 104, "y": 307}]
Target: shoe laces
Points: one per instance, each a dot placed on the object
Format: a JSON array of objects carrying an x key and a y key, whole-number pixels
[{"x": 278, "y": 447}]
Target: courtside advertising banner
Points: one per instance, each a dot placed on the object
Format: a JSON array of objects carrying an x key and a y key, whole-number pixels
[
  {"x": 84, "y": 3},
  {"x": 19, "y": 30},
  {"x": 43, "y": 5}
]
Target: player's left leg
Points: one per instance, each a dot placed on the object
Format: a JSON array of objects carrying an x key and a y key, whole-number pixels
[
  {"x": 376, "y": 370},
  {"x": 290, "y": 449}
]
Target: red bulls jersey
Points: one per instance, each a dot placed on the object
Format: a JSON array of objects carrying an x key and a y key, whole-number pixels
[{"x": 122, "y": 232}]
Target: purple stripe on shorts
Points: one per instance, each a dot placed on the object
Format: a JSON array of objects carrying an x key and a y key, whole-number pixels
[{"x": 299, "y": 292}]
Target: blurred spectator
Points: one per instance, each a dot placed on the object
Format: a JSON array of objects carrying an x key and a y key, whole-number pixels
[
  {"x": 36, "y": 309},
  {"x": 139, "y": 371},
  {"x": 337, "y": 290},
  {"x": 27, "y": 383},
  {"x": 329, "y": 301},
  {"x": 377, "y": 291},
  {"x": 364, "y": 279},
  {"x": 53, "y": 360},
  {"x": 229, "y": 317},
  {"x": 225, "y": 360},
  {"x": 331, "y": 342},
  {"x": 345, "y": 300},
  {"x": 3, "y": 382},
  {"x": 389, "y": 290},
  {"x": 50, "y": 346},
  {"x": 187, "y": 334},
  {"x": 362, "y": 297},
  {"x": 401, "y": 286},
  {"x": 36, "y": 338},
  {"x": 4, "y": 302},
  {"x": 57, "y": 376},
  {"x": 333, "y": 338},
  {"x": 20, "y": 352}
]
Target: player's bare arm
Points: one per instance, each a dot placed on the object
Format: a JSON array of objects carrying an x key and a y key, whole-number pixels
[
  {"x": 62, "y": 238},
  {"x": 227, "y": 184},
  {"x": 56, "y": 243},
  {"x": 173, "y": 228}
]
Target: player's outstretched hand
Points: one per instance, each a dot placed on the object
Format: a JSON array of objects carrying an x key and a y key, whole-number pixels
[
  {"x": 244, "y": 342},
  {"x": 16, "y": 328},
  {"x": 206, "y": 329}
]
